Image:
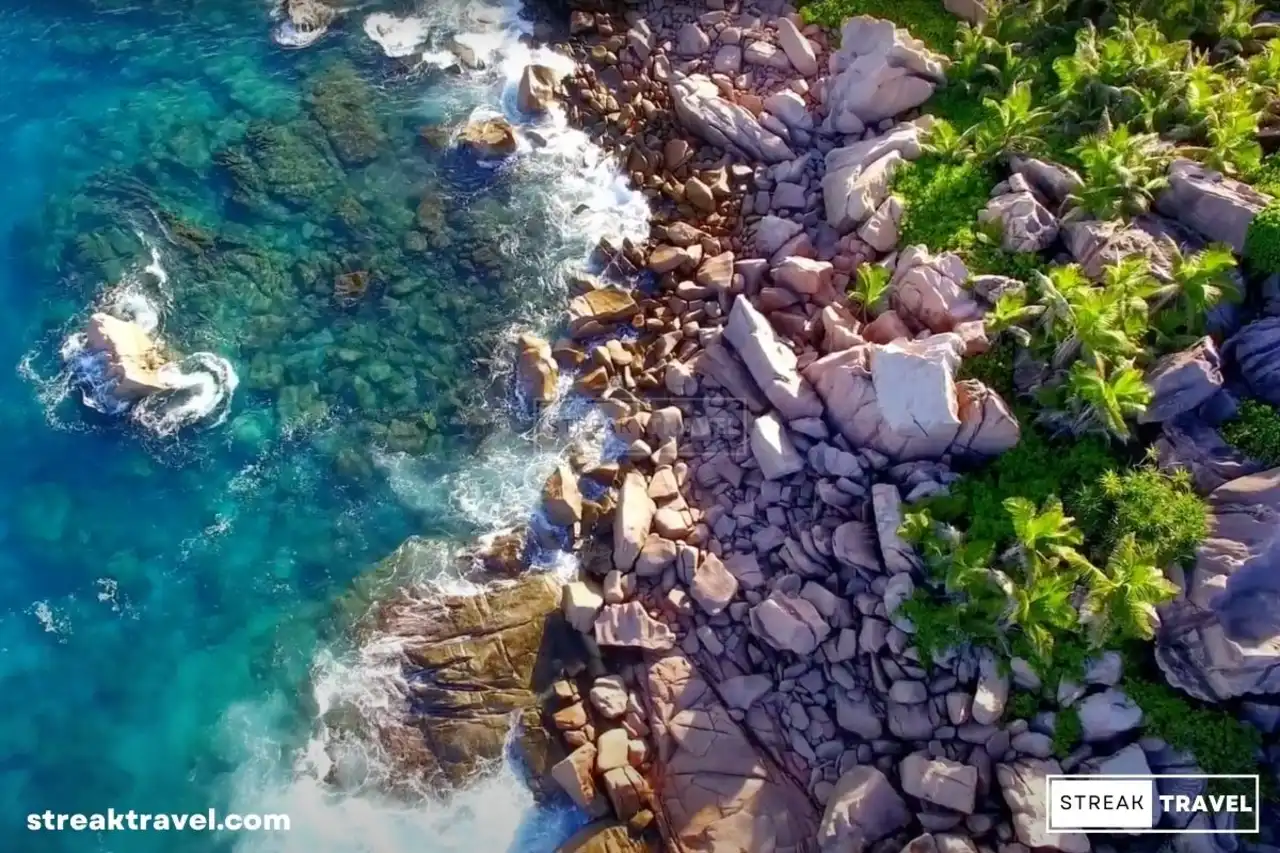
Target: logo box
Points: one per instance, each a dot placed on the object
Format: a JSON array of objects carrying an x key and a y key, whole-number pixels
[{"x": 1130, "y": 804}]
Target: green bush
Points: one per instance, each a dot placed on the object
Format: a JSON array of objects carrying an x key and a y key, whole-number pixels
[
  {"x": 1262, "y": 245},
  {"x": 1255, "y": 431},
  {"x": 993, "y": 368},
  {"x": 1023, "y": 706},
  {"x": 927, "y": 20},
  {"x": 941, "y": 201},
  {"x": 1220, "y": 743},
  {"x": 1037, "y": 468},
  {"x": 1067, "y": 731},
  {"x": 1162, "y": 511}
]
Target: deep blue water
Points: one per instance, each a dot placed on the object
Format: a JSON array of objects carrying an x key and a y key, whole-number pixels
[{"x": 163, "y": 602}]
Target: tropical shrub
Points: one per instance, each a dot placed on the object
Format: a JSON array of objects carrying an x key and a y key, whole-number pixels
[
  {"x": 1262, "y": 245},
  {"x": 1123, "y": 594},
  {"x": 1103, "y": 397},
  {"x": 1199, "y": 282},
  {"x": 1122, "y": 172},
  {"x": 1162, "y": 511},
  {"x": 1255, "y": 430}
]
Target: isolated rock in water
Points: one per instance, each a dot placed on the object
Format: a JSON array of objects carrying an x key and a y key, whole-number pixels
[
  {"x": 701, "y": 110},
  {"x": 306, "y": 21},
  {"x": 479, "y": 660},
  {"x": 489, "y": 139},
  {"x": 133, "y": 359},
  {"x": 862, "y": 809},
  {"x": 1027, "y": 225},
  {"x": 1181, "y": 381},
  {"x": 789, "y": 623},
  {"x": 1256, "y": 352},
  {"x": 536, "y": 371},
  {"x": 878, "y": 72},
  {"x": 1025, "y": 788},
  {"x": 537, "y": 90},
  {"x": 1217, "y": 207},
  {"x": 1223, "y": 639},
  {"x": 717, "y": 791},
  {"x": 771, "y": 363},
  {"x": 928, "y": 290}
]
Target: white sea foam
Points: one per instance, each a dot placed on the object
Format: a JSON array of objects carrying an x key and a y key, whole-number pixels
[{"x": 398, "y": 37}]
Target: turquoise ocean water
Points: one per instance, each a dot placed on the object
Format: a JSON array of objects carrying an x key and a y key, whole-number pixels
[{"x": 167, "y": 639}]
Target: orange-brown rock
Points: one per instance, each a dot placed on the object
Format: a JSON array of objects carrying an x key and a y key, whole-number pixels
[
  {"x": 133, "y": 358},
  {"x": 716, "y": 793}
]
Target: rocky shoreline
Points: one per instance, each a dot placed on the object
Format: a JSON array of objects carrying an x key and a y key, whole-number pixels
[{"x": 735, "y": 669}]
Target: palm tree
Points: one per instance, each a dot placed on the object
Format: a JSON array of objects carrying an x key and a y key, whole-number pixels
[
  {"x": 1083, "y": 320},
  {"x": 1122, "y": 596},
  {"x": 1104, "y": 398},
  {"x": 1199, "y": 282},
  {"x": 1013, "y": 123},
  {"x": 1046, "y": 539},
  {"x": 1131, "y": 284}
]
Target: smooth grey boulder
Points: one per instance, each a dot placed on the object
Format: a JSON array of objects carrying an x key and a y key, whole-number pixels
[
  {"x": 1255, "y": 349},
  {"x": 702, "y": 111},
  {"x": 1221, "y": 639},
  {"x": 1181, "y": 381},
  {"x": 1213, "y": 205}
]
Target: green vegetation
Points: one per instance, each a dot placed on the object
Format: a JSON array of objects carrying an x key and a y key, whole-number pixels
[
  {"x": 870, "y": 287},
  {"x": 1262, "y": 246},
  {"x": 927, "y": 20},
  {"x": 1220, "y": 743},
  {"x": 1067, "y": 731},
  {"x": 941, "y": 201},
  {"x": 1161, "y": 510},
  {"x": 1022, "y": 706},
  {"x": 1255, "y": 430},
  {"x": 1122, "y": 172}
]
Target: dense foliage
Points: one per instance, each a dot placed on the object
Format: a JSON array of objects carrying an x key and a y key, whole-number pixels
[
  {"x": 1161, "y": 510},
  {"x": 1255, "y": 430},
  {"x": 1262, "y": 246},
  {"x": 941, "y": 201},
  {"x": 1220, "y": 743}
]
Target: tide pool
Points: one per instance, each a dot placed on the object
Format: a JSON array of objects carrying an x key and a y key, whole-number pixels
[{"x": 167, "y": 631}]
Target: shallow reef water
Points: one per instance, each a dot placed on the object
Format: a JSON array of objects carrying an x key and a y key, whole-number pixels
[{"x": 167, "y": 601}]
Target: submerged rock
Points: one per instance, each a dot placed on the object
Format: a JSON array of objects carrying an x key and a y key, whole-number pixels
[{"x": 489, "y": 139}]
